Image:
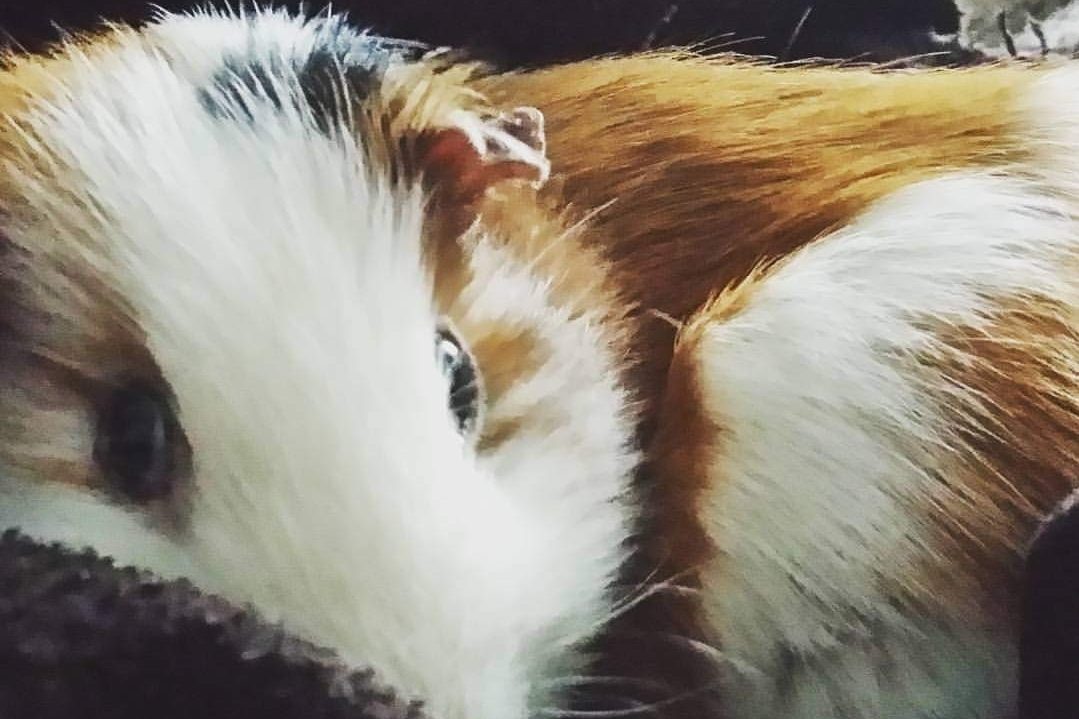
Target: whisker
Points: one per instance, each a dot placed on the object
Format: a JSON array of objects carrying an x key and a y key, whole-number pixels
[
  {"x": 677, "y": 589},
  {"x": 644, "y": 591},
  {"x": 647, "y": 588},
  {"x": 596, "y": 713},
  {"x": 637, "y": 709},
  {"x": 630, "y": 702},
  {"x": 796, "y": 33},
  {"x": 701, "y": 648},
  {"x": 669, "y": 319},
  {"x": 464, "y": 388},
  {"x": 569, "y": 232},
  {"x": 599, "y": 680}
]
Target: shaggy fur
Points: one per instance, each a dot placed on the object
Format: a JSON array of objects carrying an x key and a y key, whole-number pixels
[
  {"x": 868, "y": 397},
  {"x": 278, "y": 267},
  {"x": 835, "y": 308}
]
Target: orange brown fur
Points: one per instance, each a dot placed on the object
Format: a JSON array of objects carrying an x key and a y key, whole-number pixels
[
  {"x": 683, "y": 187},
  {"x": 713, "y": 167},
  {"x": 714, "y": 171},
  {"x": 1019, "y": 464}
]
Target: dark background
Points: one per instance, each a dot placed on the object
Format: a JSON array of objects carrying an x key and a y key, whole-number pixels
[{"x": 528, "y": 32}]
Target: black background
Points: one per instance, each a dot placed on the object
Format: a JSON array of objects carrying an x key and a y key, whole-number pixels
[{"x": 522, "y": 32}]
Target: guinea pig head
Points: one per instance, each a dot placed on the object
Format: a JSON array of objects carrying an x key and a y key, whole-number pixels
[{"x": 283, "y": 314}]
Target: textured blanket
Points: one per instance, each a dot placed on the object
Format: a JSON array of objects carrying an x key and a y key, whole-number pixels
[
  {"x": 81, "y": 638},
  {"x": 1049, "y": 651}
]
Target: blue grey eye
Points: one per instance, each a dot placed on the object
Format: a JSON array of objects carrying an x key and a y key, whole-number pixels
[
  {"x": 139, "y": 444},
  {"x": 458, "y": 366}
]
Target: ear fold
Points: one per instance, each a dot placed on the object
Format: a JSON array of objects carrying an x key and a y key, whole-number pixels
[{"x": 474, "y": 154}]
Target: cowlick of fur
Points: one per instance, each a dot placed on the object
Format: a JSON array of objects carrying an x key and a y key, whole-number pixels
[{"x": 81, "y": 638}]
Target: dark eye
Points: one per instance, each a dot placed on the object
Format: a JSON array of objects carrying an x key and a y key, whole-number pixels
[
  {"x": 139, "y": 442},
  {"x": 457, "y": 365}
]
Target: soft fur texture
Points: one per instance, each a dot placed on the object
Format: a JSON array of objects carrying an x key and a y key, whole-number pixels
[
  {"x": 856, "y": 382},
  {"x": 270, "y": 262},
  {"x": 835, "y": 308},
  {"x": 870, "y": 393}
]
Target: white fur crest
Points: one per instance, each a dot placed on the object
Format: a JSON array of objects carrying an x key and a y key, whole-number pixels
[{"x": 833, "y": 438}]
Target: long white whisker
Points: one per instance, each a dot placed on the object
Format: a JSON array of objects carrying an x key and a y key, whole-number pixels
[
  {"x": 585, "y": 680},
  {"x": 639, "y": 708},
  {"x": 718, "y": 656}
]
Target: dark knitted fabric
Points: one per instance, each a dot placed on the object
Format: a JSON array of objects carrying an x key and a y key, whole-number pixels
[
  {"x": 1049, "y": 651},
  {"x": 81, "y": 638}
]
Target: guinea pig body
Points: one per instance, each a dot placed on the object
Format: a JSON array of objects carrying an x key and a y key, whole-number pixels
[{"x": 872, "y": 394}]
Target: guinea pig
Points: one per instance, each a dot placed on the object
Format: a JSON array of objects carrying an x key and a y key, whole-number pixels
[
  {"x": 858, "y": 354},
  {"x": 282, "y": 314},
  {"x": 790, "y": 353}
]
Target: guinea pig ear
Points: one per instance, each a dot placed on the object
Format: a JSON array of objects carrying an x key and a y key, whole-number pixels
[{"x": 462, "y": 161}]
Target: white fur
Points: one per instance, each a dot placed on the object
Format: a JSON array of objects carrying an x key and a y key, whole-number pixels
[
  {"x": 279, "y": 283},
  {"x": 196, "y": 43},
  {"x": 832, "y": 443},
  {"x": 1050, "y": 111}
]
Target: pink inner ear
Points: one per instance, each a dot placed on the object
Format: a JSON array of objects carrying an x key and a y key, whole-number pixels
[{"x": 469, "y": 158}]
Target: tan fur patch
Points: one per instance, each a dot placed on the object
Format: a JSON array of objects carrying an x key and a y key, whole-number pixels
[{"x": 1017, "y": 455}]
